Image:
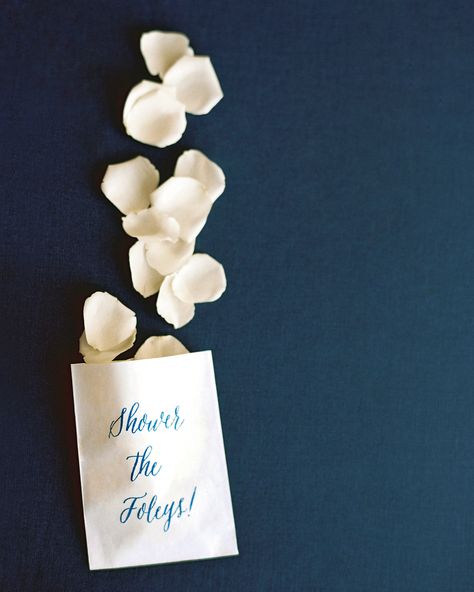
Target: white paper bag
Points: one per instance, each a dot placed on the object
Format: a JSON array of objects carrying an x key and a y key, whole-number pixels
[{"x": 153, "y": 471}]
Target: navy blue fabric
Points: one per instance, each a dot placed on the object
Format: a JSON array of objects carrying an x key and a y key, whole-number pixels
[{"x": 343, "y": 346}]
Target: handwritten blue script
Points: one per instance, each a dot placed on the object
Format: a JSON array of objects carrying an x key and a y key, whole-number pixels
[
  {"x": 143, "y": 465},
  {"x": 130, "y": 420},
  {"x": 151, "y": 510}
]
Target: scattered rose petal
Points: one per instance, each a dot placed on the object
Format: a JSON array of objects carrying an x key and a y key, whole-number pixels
[
  {"x": 128, "y": 184},
  {"x": 107, "y": 322},
  {"x": 161, "y": 50},
  {"x": 196, "y": 83},
  {"x": 201, "y": 279},
  {"x": 171, "y": 308},
  {"x": 160, "y": 347},
  {"x": 167, "y": 257},
  {"x": 138, "y": 91},
  {"x": 151, "y": 224},
  {"x": 187, "y": 201},
  {"x": 153, "y": 115},
  {"x": 94, "y": 356},
  {"x": 145, "y": 279},
  {"x": 193, "y": 163}
]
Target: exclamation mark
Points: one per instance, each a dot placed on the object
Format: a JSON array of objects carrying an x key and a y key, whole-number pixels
[{"x": 192, "y": 501}]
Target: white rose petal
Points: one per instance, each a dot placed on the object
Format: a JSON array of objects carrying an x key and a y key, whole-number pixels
[
  {"x": 196, "y": 83},
  {"x": 128, "y": 184},
  {"x": 161, "y": 50},
  {"x": 94, "y": 356},
  {"x": 201, "y": 279},
  {"x": 151, "y": 224},
  {"x": 167, "y": 257},
  {"x": 193, "y": 163},
  {"x": 107, "y": 322},
  {"x": 187, "y": 201},
  {"x": 154, "y": 116},
  {"x": 138, "y": 91},
  {"x": 145, "y": 279},
  {"x": 160, "y": 347},
  {"x": 171, "y": 308}
]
